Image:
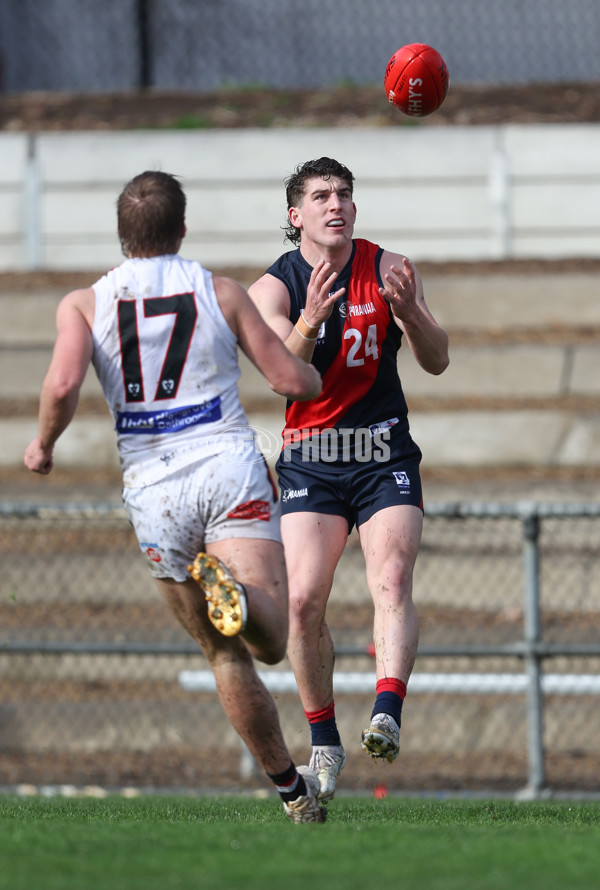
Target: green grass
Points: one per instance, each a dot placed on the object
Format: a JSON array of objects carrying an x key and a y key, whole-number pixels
[
  {"x": 191, "y": 122},
  {"x": 230, "y": 842}
]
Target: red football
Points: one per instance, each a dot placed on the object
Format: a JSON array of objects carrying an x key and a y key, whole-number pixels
[{"x": 416, "y": 79}]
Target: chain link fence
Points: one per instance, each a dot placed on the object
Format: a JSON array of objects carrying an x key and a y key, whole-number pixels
[
  {"x": 107, "y": 45},
  {"x": 100, "y": 686}
]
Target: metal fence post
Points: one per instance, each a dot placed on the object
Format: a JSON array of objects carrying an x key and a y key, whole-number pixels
[{"x": 532, "y": 632}]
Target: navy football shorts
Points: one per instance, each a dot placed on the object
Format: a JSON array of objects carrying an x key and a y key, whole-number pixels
[{"x": 356, "y": 490}]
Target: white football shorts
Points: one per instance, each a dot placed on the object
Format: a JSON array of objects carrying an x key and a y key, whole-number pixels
[{"x": 216, "y": 498}]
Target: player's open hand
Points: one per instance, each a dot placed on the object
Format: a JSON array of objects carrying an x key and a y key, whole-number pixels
[
  {"x": 401, "y": 290},
  {"x": 319, "y": 296}
]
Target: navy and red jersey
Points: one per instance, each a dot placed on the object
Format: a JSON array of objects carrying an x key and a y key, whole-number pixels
[{"x": 356, "y": 350}]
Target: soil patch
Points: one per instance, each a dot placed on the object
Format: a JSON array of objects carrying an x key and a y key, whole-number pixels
[{"x": 348, "y": 106}]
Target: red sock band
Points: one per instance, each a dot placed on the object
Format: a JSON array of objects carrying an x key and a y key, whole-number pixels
[
  {"x": 323, "y": 714},
  {"x": 391, "y": 684}
]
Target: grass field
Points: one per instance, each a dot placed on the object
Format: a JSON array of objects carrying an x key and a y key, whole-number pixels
[{"x": 230, "y": 842}]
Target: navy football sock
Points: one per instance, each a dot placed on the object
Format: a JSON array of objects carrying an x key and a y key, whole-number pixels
[
  {"x": 388, "y": 703},
  {"x": 323, "y": 728}
]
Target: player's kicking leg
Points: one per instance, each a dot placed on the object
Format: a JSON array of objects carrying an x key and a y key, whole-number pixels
[
  {"x": 256, "y": 613},
  {"x": 226, "y": 598}
]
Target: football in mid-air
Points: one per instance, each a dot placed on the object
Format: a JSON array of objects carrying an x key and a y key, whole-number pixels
[{"x": 416, "y": 79}]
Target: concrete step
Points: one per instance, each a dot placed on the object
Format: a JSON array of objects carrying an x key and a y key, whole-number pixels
[
  {"x": 486, "y": 303},
  {"x": 506, "y": 355},
  {"x": 459, "y": 439},
  {"x": 517, "y": 372},
  {"x": 522, "y": 389},
  {"x": 482, "y": 302}
]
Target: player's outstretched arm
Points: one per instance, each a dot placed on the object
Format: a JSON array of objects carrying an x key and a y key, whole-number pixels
[
  {"x": 285, "y": 373},
  {"x": 62, "y": 383}
]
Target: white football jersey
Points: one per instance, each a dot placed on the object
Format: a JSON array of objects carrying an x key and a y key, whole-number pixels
[{"x": 167, "y": 362}]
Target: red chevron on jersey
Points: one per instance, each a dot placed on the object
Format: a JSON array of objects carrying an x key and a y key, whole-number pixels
[{"x": 352, "y": 372}]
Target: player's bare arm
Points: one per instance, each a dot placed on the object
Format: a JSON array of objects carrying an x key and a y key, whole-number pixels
[
  {"x": 272, "y": 299},
  {"x": 285, "y": 373},
  {"x": 62, "y": 383},
  {"x": 403, "y": 290}
]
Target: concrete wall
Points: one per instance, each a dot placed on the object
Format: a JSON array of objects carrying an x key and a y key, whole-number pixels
[
  {"x": 479, "y": 192},
  {"x": 434, "y": 193}
]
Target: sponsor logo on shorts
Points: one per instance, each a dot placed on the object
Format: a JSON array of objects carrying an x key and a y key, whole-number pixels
[
  {"x": 251, "y": 510},
  {"x": 153, "y": 554},
  {"x": 288, "y": 494},
  {"x": 402, "y": 481}
]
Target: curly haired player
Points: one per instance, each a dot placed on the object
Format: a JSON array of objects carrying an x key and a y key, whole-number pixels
[
  {"x": 162, "y": 333},
  {"x": 348, "y": 459}
]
